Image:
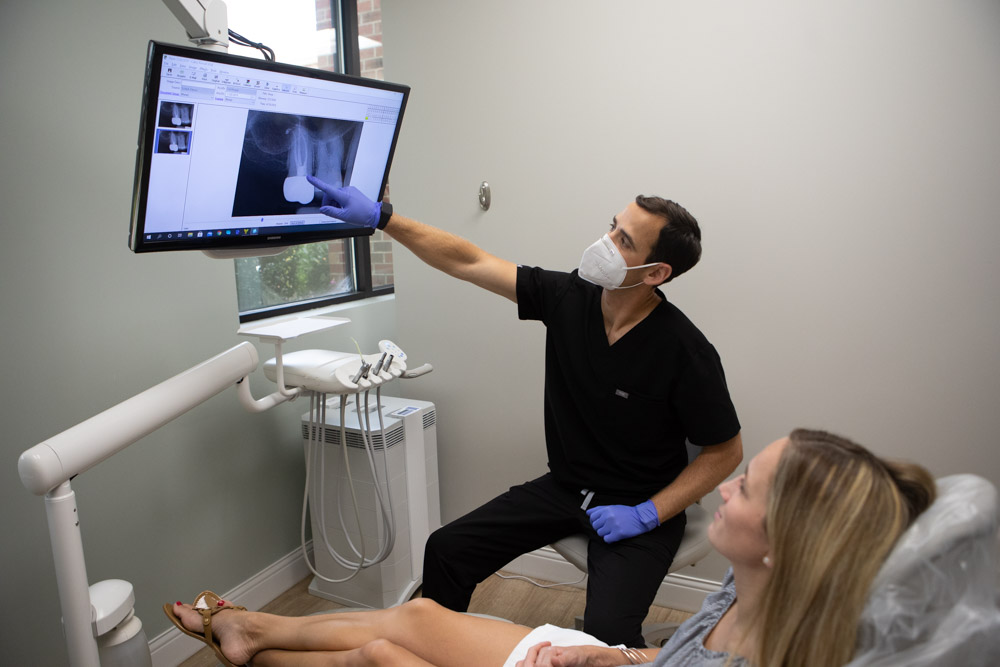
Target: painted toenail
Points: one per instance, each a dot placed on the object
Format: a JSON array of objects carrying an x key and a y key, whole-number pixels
[
  {"x": 178, "y": 603},
  {"x": 222, "y": 603}
]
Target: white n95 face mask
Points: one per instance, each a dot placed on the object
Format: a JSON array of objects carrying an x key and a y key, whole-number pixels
[{"x": 603, "y": 265}]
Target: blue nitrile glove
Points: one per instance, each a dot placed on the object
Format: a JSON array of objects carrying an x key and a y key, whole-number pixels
[
  {"x": 348, "y": 204},
  {"x": 617, "y": 522}
]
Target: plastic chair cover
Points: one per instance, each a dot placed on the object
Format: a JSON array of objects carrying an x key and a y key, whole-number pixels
[{"x": 934, "y": 602}]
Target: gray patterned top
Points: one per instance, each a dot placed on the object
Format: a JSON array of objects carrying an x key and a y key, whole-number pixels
[{"x": 686, "y": 647}]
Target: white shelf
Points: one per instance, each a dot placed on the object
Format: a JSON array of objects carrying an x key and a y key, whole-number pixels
[{"x": 289, "y": 329}]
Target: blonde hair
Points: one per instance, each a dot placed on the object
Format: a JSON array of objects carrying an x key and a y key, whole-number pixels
[{"x": 834, "y": 513}]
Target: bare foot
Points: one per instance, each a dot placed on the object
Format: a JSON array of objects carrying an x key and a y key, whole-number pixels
[{"x": 232, "y": 629}]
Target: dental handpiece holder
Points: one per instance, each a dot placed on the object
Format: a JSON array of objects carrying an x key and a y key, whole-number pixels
[
  {"x": 331, "y": 372},
  {"x": 340, "y": 373}
]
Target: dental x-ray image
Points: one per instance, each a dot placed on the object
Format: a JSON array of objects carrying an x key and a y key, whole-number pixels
[
  {"x": 175, "y": 114},
  {"x": 280, "y": 150},
  {"x": 172, "y": 141}
]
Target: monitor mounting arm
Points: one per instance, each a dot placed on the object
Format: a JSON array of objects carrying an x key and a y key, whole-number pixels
[
  {"x": 206, "y": 21},
  {"x": 207, "y": 25}
]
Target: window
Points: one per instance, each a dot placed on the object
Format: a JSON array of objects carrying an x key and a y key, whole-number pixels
[{"x": 305, "y": 32}]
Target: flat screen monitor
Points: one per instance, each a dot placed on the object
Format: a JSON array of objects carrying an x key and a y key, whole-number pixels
[{"x": 226, "y": 143}]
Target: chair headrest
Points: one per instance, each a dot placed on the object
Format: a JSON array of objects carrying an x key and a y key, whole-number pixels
[
  {"x": 965, "y": 511},
  {"x": 934, "y": 600}
]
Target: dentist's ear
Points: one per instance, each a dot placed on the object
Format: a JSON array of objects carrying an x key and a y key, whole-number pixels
[{"x": 659, "y": 275}]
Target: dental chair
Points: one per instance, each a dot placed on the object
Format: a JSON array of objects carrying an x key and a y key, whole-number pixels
[
  {"x": 694, "y": 546},
  {"x": 934, "y": 602}
]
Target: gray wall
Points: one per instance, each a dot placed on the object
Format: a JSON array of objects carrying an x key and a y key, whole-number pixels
[
  {"x": 843, "y": 158},
  {"x": 212, "y": 498}
]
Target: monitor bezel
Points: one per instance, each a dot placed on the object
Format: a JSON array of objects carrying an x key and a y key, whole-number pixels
[{"x": 144, "y": 154}]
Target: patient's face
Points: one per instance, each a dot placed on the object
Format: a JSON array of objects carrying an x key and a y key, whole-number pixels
[{"x": 738, "y": 529}]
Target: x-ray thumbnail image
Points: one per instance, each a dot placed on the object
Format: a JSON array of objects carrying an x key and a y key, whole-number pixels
[
  {"x": 173, "y": 141},
  {"x": 175, "y": 114}
]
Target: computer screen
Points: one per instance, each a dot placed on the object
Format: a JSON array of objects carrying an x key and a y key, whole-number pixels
[{"x": 226, "y": 142}]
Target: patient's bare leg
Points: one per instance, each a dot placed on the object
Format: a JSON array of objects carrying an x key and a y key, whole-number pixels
[
  {"x": 421, "y": 627},
  {"x": 378, "y": 652}
]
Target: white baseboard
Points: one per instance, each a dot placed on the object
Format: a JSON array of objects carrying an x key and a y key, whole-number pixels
[
  {"x": 172, "y": 647},
  {"x": 678, "y": 591}
]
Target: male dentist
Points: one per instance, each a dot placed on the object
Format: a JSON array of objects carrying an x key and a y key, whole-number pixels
[{"x": 628, "y": 380}]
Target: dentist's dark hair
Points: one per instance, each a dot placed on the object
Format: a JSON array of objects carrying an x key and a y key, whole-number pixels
[{"x": 679, "y": 243}]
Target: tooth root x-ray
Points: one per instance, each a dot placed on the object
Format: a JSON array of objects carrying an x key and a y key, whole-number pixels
[
  {"x": 297, "y": 188},
  {"x": 173, "y": 142},
  {"x": 175, "y": 114},
  {"x": 181, "y": 115},
  {"x": 280, "y": 150}
]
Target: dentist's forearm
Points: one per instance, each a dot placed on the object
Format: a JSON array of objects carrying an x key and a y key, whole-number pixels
[
  {"x": 709, "y": 469},
  {"x": 454, "y": 255}
]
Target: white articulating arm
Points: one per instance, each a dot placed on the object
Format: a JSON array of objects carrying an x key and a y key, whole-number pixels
[
  {"x": 206, "y": 21},
  {"x": 48, "y": 464},
  {"x": 47, "y": 468}
]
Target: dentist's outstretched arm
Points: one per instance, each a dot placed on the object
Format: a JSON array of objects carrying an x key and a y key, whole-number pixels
[{"x": 440, "y": 249}]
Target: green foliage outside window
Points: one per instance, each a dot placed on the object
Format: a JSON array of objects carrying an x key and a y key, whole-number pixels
[{"x": 299, "y": 273}]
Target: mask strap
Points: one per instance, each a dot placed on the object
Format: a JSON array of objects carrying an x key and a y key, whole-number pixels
[
  {"x": 629, "y": 268},
  {"x": 642, "y": 266}
]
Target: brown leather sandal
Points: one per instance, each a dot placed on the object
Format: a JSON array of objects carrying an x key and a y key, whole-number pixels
[{"x": 208, "y": 604}]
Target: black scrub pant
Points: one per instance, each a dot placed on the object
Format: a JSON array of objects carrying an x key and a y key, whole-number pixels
[{"x": 623, "y": 576}]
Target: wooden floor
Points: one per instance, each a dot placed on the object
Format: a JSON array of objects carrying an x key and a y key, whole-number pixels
[{"x": 512, "y": 599}]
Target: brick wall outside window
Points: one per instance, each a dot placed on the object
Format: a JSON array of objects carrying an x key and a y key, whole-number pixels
[{"x": 370, "y": 26}]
